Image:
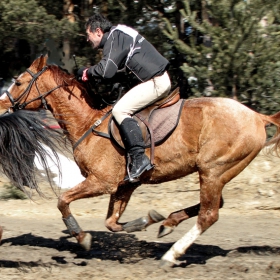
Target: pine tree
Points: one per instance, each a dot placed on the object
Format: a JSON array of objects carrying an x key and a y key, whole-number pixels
[
  {"x": 232, "y": 50},
  {"x": 25, "y": 26}
]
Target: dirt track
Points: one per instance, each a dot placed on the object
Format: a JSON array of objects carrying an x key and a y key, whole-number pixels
[{"x": 243, "y": 244}]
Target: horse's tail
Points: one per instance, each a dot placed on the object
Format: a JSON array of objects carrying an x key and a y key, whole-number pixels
[
  {"x": 23, "y": 136},
  {"x": 275, "y": 140}
]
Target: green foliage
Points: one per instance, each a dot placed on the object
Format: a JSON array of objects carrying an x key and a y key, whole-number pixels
[
  {"x": 12, "y": 192},
  {"x": 25, "y": 19},
  {"x": 238, "y": 57},
  {"x": 26, "y": 25},
  {"x": 52, "y": 7},
  {"x": 226, "y": 53}
]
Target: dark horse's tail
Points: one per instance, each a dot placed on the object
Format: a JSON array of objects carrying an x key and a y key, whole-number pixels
[{"x": 23, "y": 136}]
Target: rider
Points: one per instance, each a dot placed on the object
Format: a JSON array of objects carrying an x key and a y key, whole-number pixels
[{"x": 125, "y": 47}]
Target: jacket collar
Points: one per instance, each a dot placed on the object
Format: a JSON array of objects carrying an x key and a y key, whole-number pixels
[
  {"x": 103, "y": 40},
  {"x": 105, "y": 37}
]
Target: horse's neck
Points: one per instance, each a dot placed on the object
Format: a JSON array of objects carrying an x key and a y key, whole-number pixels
[{"x": 73, "y": 110}]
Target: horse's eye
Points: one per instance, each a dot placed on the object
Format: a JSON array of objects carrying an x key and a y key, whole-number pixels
[{"x": 17, "y": 83}]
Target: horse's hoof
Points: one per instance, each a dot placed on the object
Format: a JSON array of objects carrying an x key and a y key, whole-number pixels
[
  {"x": 155, "y": 216},
  {"x": 166, "y": 265},
  {"x": 164, "y": 230},
  {"x": 86, "y": 242},
  {"x": 142, "y": 223},
  {"x": 136, "y": 225}
]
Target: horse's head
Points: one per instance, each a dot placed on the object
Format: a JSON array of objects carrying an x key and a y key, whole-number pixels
[
  {"x": 29, "y": 90},
  {"x": 26, "y": 90}
]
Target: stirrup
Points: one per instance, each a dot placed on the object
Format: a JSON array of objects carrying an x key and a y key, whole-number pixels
[{"x": 136, "y": 179}]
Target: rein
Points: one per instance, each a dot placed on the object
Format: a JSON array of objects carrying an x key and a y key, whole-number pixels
[{"x": 16, "y": 105}]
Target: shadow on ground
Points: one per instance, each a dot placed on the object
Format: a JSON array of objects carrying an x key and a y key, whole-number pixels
[{"x": 123, "y": 248}]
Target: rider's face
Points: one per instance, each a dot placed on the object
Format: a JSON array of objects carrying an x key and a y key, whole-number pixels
[{"x": 94, "y": 37}]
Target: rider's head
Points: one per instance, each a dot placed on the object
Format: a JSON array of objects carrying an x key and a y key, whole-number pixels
[
  {"x": 96, "y": 26},
  {"x": 98, "y": 21}
]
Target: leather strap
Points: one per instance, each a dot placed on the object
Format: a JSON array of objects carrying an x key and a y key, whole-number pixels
[
  {"x": 151, "y": 137},
  {"x": 92, "y": 129}
]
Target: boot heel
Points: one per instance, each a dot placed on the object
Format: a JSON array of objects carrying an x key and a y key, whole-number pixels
[
  {"x": 134, "y": 180},
  {"x": 149, "y": 167}
]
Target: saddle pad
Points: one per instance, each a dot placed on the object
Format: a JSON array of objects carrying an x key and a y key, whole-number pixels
[{"x": 162, "y": 121}]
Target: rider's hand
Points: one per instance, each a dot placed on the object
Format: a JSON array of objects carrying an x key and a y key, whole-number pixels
[{"x": 82, "y": 74}]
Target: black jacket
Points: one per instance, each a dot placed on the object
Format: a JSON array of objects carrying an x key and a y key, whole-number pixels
[{"x": 123, "y": 46}]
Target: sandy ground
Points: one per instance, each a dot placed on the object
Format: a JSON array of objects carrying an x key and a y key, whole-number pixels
[{"x": 243, "y": 244}]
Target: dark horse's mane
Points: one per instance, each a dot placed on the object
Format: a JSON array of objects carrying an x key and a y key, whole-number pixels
[
  {"x": 62, "y": 77},
  {"x": 23, "y": 136}
]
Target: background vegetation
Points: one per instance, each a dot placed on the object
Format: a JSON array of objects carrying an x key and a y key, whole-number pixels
[
  {"x": 11, "y": 192},
  {"x": 224, "y": 48}
]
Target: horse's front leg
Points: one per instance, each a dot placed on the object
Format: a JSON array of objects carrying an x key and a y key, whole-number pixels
[
  {"x": 90, "y": 187},
  {"x": 117, "y": 205}
]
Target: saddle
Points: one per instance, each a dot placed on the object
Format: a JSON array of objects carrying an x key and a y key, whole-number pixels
[{"x": 157, "y": 121}]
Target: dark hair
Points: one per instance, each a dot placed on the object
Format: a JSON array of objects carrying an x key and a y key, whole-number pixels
[{"x": 98, "y": 21}]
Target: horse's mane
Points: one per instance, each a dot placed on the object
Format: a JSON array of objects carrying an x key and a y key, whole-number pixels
[
  {"x": 23, "y": 136},
  {"x": 63, "y": 77}
]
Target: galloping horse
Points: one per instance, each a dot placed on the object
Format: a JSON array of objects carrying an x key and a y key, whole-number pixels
[
  {"x": 23, "y": 136},
  {"x": 216, "y": 137}
]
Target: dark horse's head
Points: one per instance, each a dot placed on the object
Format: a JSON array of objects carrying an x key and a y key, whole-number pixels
[{"x": 24, "y": 136}]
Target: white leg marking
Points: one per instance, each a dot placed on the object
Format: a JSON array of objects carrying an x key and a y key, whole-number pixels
[{"x": 180, "y": 247}]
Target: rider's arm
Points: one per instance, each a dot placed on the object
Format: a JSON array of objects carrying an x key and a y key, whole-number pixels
[{"x": 115, "y": 52}]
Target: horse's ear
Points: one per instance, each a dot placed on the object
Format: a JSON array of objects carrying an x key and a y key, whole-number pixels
[{"x": 39, "y": 63}]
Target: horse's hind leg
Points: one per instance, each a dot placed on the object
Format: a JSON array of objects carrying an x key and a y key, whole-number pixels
[
  {"x": 117, "y": 205},
  {"x": 210, "y": 200},
  {"x": 175, "y": 218},
  {"x": 212, "y": 181}
]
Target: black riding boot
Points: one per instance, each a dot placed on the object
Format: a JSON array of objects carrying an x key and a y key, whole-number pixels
[{"x": 133, "y": 141}]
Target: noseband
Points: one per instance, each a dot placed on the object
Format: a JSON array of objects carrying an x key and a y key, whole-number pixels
[{"x": 16, "y": 105}]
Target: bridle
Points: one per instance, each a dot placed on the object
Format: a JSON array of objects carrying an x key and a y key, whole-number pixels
[{"x": 16, "y": 105}]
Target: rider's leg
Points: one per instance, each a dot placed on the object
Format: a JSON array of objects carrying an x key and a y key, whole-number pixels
[
  {"x": 141, "y": 96},
  {"x": 135, "y": 147},
  {"x": 135, "y": 99}
]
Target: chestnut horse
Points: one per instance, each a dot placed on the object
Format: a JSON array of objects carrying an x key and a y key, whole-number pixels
[{"x": 216, "y": 137}]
